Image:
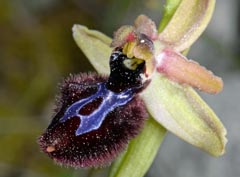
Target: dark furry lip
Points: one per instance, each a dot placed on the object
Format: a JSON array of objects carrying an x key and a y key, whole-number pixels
[
  {"x": 95, "y": 148},
  {"x": 116, "y": 103}
]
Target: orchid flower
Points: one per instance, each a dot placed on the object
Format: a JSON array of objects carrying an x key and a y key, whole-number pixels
[{"x": 169, "y": 97}]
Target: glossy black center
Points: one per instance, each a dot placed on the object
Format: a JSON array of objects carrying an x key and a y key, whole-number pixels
[{"x": 122, "y": 77}]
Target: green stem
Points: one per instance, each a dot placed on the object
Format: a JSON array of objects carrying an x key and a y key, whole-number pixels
[
  {"x": 140, "y": 152},
  {"x": 169, "y": 9}
]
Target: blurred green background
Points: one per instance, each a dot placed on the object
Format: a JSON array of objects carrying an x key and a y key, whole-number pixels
[{"x": 37, "y": 51}]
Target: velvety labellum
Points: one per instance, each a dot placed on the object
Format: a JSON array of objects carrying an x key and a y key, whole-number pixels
[
  {"x": 94, "y": 120},
  {"x": 96, "y": 116}
]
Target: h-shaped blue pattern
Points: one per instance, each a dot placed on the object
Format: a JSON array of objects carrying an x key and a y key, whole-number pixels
[{"x": 110, "y": 101}]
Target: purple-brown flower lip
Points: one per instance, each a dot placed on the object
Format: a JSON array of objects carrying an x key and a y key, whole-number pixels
[{"x": 96, "y": 116}]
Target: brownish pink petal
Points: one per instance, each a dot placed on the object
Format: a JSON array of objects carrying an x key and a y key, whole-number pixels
[
  {"x": 178, "y": 68},
  {"x": 146, "y": 26},
  {"x": 123, "y": 35}
]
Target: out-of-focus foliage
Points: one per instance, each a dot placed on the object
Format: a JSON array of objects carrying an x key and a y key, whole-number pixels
[{"x": 36, "y": 52}]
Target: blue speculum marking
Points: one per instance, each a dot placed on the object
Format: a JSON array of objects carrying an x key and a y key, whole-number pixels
[{"x": 110, "y": 101}]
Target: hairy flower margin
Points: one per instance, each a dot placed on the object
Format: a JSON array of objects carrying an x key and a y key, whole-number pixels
[{"x": 169, "y": 98}]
